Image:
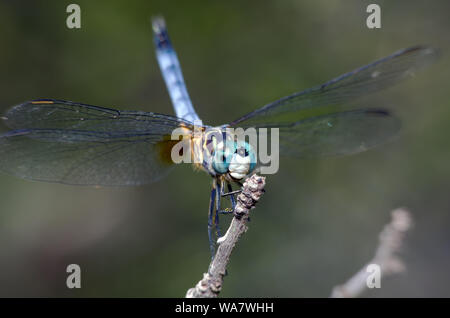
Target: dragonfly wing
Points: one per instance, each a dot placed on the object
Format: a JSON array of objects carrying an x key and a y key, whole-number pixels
[
  {"x": 344, "y": 89},
  {"x": 61, "y": 114},
  {"x": 72, "y": 143},
  {"x": 337, "y": 134}
]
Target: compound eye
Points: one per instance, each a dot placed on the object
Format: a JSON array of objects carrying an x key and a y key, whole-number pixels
[
  {"x": 244, "y": 150},
  {"x": 221, "y": 161}
]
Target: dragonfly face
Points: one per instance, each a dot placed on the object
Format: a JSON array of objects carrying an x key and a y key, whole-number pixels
[{"x": 222, "y": 154}]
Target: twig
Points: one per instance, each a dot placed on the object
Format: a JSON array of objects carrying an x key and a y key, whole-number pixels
[
  {"x": 390, "y": 243},
  {"x": 211, "y": 284}
]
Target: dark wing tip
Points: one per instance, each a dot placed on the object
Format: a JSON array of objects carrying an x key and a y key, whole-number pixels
[
  {"x": 427, "y": 52},
  {"x": 378, "y": 111},
  {"x": 381, "y": 112}
]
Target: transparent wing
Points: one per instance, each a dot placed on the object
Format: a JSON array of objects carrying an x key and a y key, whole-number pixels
[
  {"x": 73, "y": 143},
  {"x": 312, "y": 123},
  {"x": 337, "y": 134},
  {"x": 341, "y": 90},
  {"x": 60, "y": 114}
]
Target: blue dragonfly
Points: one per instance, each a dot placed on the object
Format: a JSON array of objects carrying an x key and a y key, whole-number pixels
[{"x": 74, "y": 143}]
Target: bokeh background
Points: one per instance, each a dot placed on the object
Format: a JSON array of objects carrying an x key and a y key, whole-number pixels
[{"x": 319, "y": 221}]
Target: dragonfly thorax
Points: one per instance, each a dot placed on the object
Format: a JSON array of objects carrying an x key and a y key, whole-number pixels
[{"x": 224, "y": 154}]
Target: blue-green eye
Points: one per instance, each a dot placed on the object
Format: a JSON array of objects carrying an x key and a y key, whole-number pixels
[
  {"x": 245, "y": 146},
  {"x": 221, "y": 161}
]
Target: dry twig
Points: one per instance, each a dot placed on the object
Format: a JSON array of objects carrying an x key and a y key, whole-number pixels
[
  {"x": 390, "y": 242},
  {"x": 211, "y": 284}
]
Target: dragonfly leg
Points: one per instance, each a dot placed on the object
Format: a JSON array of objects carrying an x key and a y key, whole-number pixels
[
  {"x": 231, "y": 194},
  {"x": 230, "y": 191},
  {"x": 226, "y": 211},
  {"x": 232, "y": 198},
  {"x": 211, "y": 220},
  {"x": 218, "y": 195}
]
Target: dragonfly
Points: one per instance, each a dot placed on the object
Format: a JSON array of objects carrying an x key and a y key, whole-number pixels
[{"x": 74, "y": 143}]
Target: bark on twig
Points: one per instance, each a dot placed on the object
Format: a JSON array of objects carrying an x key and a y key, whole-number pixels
[
  {"x": 211, "y": 283},
  {"x": 390, "y": 242}
]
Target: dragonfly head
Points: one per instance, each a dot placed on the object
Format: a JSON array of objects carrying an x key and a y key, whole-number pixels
[{"x": 237, "y": 159}]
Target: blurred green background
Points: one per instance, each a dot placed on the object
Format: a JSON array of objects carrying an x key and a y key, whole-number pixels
[{"x": 319, "y": 221}]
